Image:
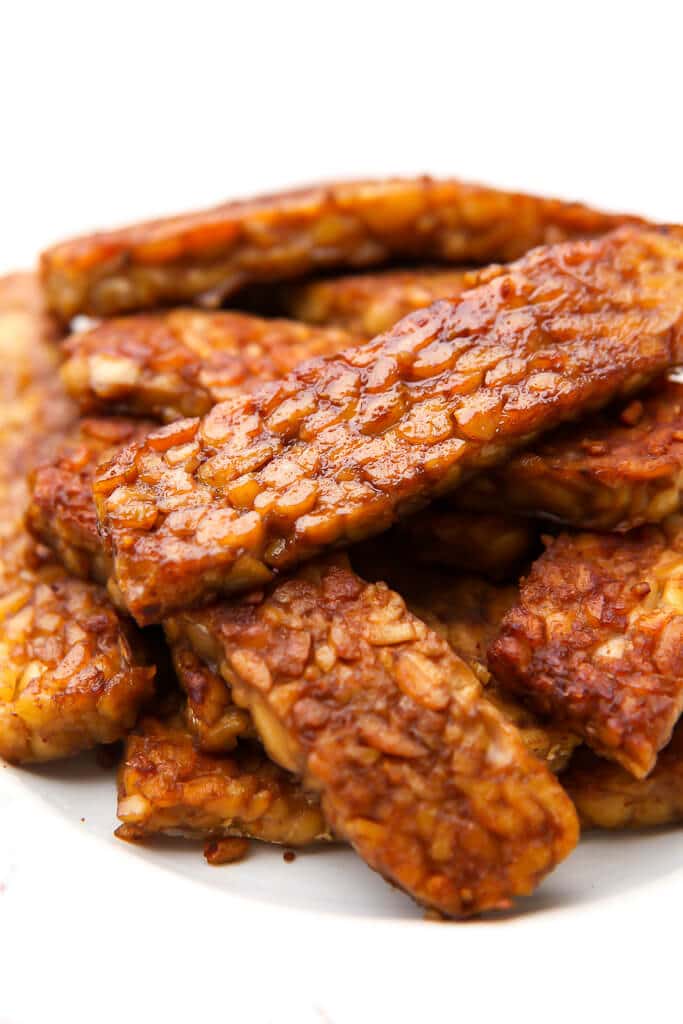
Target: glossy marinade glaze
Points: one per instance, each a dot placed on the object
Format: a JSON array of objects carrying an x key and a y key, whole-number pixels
[{"x": 342, "y": 447}]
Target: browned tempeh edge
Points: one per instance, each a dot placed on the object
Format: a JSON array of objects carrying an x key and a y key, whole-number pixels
[
  {"x": 596, "y": 640},
  {"x": 607, "y": 796},
  {"x": 168, "y": 786},
  {"x": 373, "y": 710},
  {"x": 340, "y": 448},
  {"x": 209, "y": 255},
  {"x": 72, "y": 673}
]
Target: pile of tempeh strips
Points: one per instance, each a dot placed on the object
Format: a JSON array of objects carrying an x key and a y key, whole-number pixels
[{"x": 354, "y": 512}]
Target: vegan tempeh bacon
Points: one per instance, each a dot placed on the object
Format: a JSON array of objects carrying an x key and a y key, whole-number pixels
[
  {"x": 73, "y": 672},
  {"x": 596, "y": 640},
  {"x": 607, "y": 796},
  {"x": 182, "y": 363},
  {"x": 209, "y": 255},
  {"x": 613, "y": 471},
  {"x": 467, "y": 611},
  {"x": 342, "y": 447},
  {"x": 375, "y": 712},
  {"x": 168, "y": 787}
]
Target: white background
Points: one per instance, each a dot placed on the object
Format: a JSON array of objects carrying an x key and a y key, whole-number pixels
[{"x": 117, "y": 111}]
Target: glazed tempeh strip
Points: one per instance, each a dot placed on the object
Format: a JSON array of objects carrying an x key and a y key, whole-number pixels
[
  {"x": 181, "y": 363},
  {"x": 62, "y": 513},
  {"x": 72, "y": 672},
  {"x": 207, "y": 256},
  {"x": 371, "y": 303},
  {"x": 167, "y": 786},
  {"x": 613, "y": 471},
  {"x": 606, "y": 796},
  {"x": 374, "y": 711},
  {"x": 596, "y": 640},
  {"x": 467, "y": 611},
  {"x": 340, "y": 448}
]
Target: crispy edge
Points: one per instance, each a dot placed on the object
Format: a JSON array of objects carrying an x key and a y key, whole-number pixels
[
  {"x": 596, "y": 641},
  {"x": 167, "y": 786}
]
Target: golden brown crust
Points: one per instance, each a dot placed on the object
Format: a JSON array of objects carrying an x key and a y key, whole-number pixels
[
  {"x": 606, "y": 796},
  {"x": 371, "y": 303},
  {"x": 596, "y": 640},
  {"x": 614, "y": 471},
  {"x": 208, "y": 255},
  {"x": 340, "y": 448},
  {"x": 61, "y": 512},
  {"x": 467, "y": 611},
  {"x": 182, "y": 363},
  {"x": 70, "y": 667},
  {"x": 415, "y": 767},
  {"x": 167, "y": 786}
]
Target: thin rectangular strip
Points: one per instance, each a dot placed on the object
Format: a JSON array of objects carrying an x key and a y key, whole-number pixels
[
  {"x": 209, "y": 255},
  {"x": 596, "y": 640},
  {"x": 342, "y": 447},
  {"x": 374, "y": 711}
]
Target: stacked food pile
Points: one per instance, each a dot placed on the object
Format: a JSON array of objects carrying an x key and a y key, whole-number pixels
[{"x": 391, "y": 557}]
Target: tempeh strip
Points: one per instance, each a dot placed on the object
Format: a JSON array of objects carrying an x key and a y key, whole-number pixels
[
  {"x": 371, "y": 303},
  {"x": 61, "y": 513},
  {"x": 606, "y": 796},
  {"x": 467, "y": 611},
  {"x": 72, "y": 672},
  {"x": 167, "y": 786},
  {"x": 342, "y": 447},
  {"x": 374, "y": 711},
  {"x": 596, "y": 641},
  {"x": 209, "y": 255},
  {"x": 181, "y": 363},
  {"x": 613, "y": 471}
]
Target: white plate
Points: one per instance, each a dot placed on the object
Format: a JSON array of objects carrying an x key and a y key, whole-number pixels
[{"x": 321, "y": 939}]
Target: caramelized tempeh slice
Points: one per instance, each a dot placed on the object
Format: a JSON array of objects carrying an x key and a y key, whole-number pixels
[
  {"x": 596, "y": 640},
  {"x": 70, "y": 667},
  {"x": 207, "y": 256},
  {"x": 373, "y": 710},
  {"x": 210, "y": 713},
  {"x": 61, "y": 511},
  {"x": 467, "y": 611},
  {"x": 606, "y": 796},
  {"x": 371, "y": 303},
  {"x": 341, "y": 447},
  {"x": 616, "y": 470},
  {"x": 181, "y": 363},
  {"x": 167, "y": 786}
]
